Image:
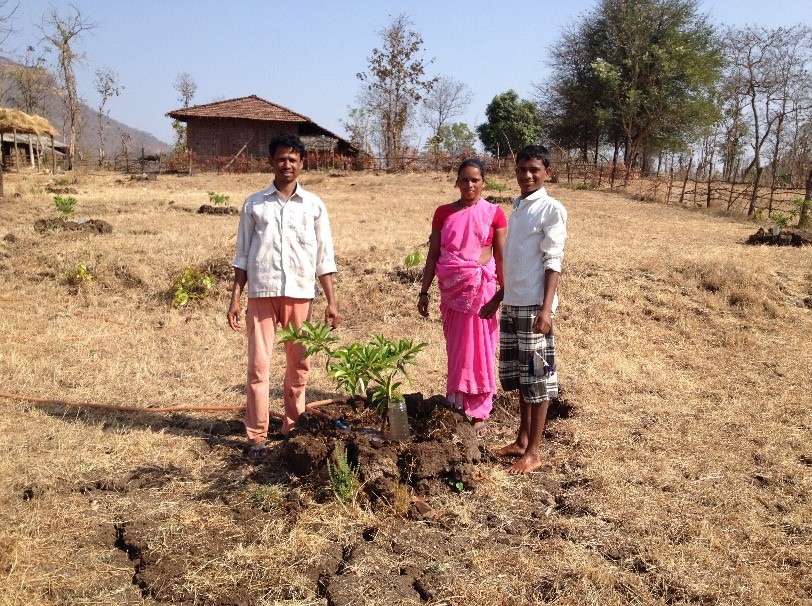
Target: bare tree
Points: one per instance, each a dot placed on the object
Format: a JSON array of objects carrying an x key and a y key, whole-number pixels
[
  {"x": 447, "y": 99},
  {"x": 359, "y": 127},
  {"x": 31, "y": 82},
  {"x": 186, "y": 87},
  {"x": 108, "y": 85},
  {"x": 394, "y": 84},
  {"x": 769, "y": 69},
  {"x": 62, "y": 32},
  {"x": 8, "y": 10}
]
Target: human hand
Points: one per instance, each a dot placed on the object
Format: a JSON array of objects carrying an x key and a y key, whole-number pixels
[
  {"x": 423, "y": 306},
  {"x": 543, "y": 322},
  {"x": 331, "y": 316},
  {"x": 489, "y": 309},
  {"x": 234, "y": 315}
]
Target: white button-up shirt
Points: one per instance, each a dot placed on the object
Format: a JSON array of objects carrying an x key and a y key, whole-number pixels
[
  {"x": 284, "y": 245},
  {"x": 537, "y": 228}
]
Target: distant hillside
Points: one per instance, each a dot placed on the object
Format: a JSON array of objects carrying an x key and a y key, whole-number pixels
[{"x": 88, "y": 139}]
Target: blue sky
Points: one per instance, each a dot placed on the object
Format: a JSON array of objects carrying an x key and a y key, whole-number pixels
[{"x": 305, "y": 55}]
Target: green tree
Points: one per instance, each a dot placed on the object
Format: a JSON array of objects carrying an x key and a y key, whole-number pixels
[
  {"x": 457, "y": 139},
  {"x": 394, "y": 84},
  {"x": 645, "y": 71},
  {"x": 512, "y": 124},
  {"x": 573, "y": 104}
]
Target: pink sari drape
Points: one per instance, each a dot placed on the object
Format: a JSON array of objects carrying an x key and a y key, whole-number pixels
[{"x": 465, "y": 286}]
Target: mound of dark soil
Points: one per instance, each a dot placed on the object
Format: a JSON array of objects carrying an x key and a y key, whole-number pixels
[
  {"x": 440, "y": 456},
  {"x": 783, "y": 238},
  {"x": 208, "y": 209},
  {"x": 55, "y": 189},
  {"x": 93, "y": 226},
  {"x": 499, "y": 199}
]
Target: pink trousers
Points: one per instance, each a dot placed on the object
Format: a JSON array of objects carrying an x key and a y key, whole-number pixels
[{"x": 262, "y": 317}]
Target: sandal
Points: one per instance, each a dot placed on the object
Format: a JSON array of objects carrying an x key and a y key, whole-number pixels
[
  {"x": 255, "y": 453},
  {"x": 480, "y": 427}
]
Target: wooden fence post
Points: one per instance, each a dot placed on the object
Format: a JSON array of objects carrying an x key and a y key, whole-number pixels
[{"x": 685, "y": 181}]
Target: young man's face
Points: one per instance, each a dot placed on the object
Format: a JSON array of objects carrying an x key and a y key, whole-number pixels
[
  {"x": 287, "y": 164},
  {"x": 531, "y": 174}
]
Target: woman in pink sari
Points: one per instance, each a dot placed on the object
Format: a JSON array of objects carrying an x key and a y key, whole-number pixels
[{"x": 465, "y": 253}]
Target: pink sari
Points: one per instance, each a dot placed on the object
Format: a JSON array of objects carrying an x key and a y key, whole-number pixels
[{"x": 465, "y": 286}]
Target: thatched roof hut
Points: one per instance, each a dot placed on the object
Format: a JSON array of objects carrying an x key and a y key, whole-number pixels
[{"x": 18, "y": 122}]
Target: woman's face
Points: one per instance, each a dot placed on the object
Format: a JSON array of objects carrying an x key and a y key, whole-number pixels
[{"x": 470, "y": 183}]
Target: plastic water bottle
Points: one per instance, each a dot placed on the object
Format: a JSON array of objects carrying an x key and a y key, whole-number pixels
[{"x": 398, "y": 422}]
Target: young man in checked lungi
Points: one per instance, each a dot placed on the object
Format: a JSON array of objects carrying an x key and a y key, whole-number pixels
[{"x": 537, "y": 228}]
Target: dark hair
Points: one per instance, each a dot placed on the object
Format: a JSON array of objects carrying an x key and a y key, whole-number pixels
[
  {"x": 538, "y": 152},
  {"x": 287, "y": 140},
  {"x": 472, "y": 162}
]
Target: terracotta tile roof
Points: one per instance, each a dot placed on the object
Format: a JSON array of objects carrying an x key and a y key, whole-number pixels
[{"x": 251, "y": 108}]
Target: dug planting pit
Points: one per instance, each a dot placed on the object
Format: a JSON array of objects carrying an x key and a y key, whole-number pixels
[{"x": 441, "y": 455}]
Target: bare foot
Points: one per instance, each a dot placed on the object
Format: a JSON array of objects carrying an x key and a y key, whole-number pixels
[
  {"x": 526, "y": 464},
  {"x": 511, "y": 450}
]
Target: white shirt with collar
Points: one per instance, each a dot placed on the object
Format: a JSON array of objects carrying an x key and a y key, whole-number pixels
[
  {"x": 284, "y": 245},
  {"x": 537, "y": 228}
]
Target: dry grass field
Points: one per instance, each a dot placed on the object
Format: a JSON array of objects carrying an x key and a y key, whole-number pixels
[{"x": 682, "y": 476}]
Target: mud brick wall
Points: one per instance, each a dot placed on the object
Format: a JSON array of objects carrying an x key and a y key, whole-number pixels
[{"x": 223, "y": 137}]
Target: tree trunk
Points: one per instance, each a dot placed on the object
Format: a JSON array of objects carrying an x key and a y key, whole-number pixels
[
  {"x": 803, "y": 217},
  {"x": 685, "y": 181},
  {"x": 751, "y": 210}
]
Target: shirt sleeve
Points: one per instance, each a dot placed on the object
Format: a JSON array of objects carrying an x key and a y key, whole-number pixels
[
  {"x": 555, "y": 233},
  {"x": 245, "y": 232},
  {"x": 499, "y": 219},
  {"x": 325, "y": 256},
  {"x": 440, "y": 215}
]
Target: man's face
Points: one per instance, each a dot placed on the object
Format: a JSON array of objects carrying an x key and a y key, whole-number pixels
[
  {"x": 287, "y": 164},
  {"x": 530, "y": 175}
]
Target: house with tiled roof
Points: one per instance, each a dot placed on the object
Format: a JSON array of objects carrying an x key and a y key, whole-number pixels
[{"x": 245, "y": 125}]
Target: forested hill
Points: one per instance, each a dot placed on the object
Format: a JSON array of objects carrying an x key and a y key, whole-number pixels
[{"x": 41, "y": 89}]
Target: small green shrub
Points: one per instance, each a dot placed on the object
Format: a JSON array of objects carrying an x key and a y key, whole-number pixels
[
  {"x": 414, "y": 259},
  {"x": 495, "y": 185},
  {"x": 191, "y": 284},
  {"x": 80, "y": 275},
  {"x": 414, "y": 267},
  {"x": 61, "y": 181},
  {"x": 358, "y": 367},
  {"x": 343, "y": 477},
  {"x": 781, "y": 219},
  {"x": 218, "y": 199},
  {"x": 65, "y": 206}
]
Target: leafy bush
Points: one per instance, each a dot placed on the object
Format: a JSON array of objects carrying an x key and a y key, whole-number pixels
[
  {"x": 191, "y": 284},
  {"x": 361, "y": 369},
  {"x": 218, "y": 199},
  {"x": 414, "y": 259},
  {"x": 65, "y": 206},
  {"x": 80, "y": 275},
  {"x": 781, "y": 219},
  {"x": 414, "y": 266},
  {"x": 495, "y": 185}
]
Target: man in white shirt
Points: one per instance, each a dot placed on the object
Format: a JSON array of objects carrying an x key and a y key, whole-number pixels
[
  {"x": 284, "y": 245},
  {"x": 537, "y": 229}
]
